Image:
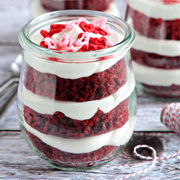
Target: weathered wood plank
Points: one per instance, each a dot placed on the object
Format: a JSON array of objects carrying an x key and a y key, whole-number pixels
[
  {"x": 18, "y": 162},
  {"x": 7, "y": 56}
]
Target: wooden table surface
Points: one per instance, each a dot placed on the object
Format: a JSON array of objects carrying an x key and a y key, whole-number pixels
[{"x": 17, "y": 160}]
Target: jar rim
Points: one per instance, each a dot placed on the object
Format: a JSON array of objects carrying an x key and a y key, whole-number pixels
[{"x": 89, "y": 56}]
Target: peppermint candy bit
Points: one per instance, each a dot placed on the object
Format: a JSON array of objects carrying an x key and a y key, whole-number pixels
[
  {"x": 56, "y": 28},
  {"x": 66, "y": 42},
  {"x": 92, "y": 47},
  {"x": 69, "y": 25},
  {"x": 107, "y": 29},
  {"x": 100, "y": 22},
  {"x": 109, "y": 43},
  {"x": 170, "y": 1},
  {"x": 86, "y": 27},
  {"x": 69, "y": 46},
  {"x": 44, "y": 33},
  {"x": 42, "y": 44},
  {"x": 83, "y": 48},
  {"x": 97, "y": 30},
  {"x": 50, "y": 43},
  {"x": 83, "y": 40}
]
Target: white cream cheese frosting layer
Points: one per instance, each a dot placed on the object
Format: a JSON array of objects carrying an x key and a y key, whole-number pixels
[
  {"x": 115, "y": 138},
  {"x": 75, "y": 110},
  {"x": 70, "y": 70},
  {"x": 156, "y": 9},
  {"x": 37, "y": 9},
  {"x": 161, "y": 47},
  {"x": 155, "y": 76}
]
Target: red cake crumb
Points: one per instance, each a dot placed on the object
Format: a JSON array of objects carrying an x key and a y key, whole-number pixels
[
  {"x": 172, "y": 91},
  {"x": 60, "y": 157},
  {"x": 60, "y": 125},
  {"x": 94, "y": 87},
  {"x": 55, "y": 5},
  {"x": 155, "y": 60},
  {"x": 154, "y": 28}
]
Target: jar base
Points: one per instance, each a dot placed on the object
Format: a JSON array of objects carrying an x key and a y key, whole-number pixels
[
  {"x": 170, "y": 92},
  {"x": 70, "y": 166}
]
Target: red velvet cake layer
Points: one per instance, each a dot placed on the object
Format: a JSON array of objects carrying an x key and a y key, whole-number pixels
[
  {"x": 94, "y": 87},
  {"x": 155, "y": 28},
  {"x": 98, "y": 5},
  {"x": 172, "y": 91},
  {"x": 59, "y": 157},
  {"x": 155, "y": 60},
  {"x": 60, "y": 125}
]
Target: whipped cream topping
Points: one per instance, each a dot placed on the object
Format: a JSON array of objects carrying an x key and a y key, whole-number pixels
[
  {"x": 156, "y": 76},
  {"x": 156, "y": 8},
  {"x": 115, "y": 138},
  {"x": 161, "y": 47},
  {"x": 68, "y": 37},
  {"x": 37, "y": 9},
  {"x": 70, "y": 70},
  {"x": 76, "y": 110}
]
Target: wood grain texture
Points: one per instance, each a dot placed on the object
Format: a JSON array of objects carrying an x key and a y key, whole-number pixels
[{"x": 18, "y": 162}]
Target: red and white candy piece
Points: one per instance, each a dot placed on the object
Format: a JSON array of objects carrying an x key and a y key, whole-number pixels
[
  {"x": 170, "y": 116},
  {"x": 170, "y": 1},
  {"x": 50, "y": 43},
  {"x": 83, "y": 40},
  {"x": 100, "y": 22},
  {"x": 66, "y": 42},
  {"x": 69, "y": 25}
]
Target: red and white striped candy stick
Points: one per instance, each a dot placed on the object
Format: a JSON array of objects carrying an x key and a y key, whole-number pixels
[{"x": 170, "y": 116}]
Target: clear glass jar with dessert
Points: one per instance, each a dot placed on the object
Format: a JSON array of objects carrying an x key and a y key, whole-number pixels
[
  {"x": 156, "y": 51},
  {"x": 39, "y": 7},
  {"x": 76, "y": 99}
]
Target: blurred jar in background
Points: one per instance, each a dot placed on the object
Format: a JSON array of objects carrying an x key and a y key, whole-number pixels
[
  {"x": 156, "y": 51},
  {"x": 39, "y": 7}
]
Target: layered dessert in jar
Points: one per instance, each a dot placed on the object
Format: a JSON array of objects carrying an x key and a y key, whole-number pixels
[
  {"x": 76, "y": 98},
  {"x": 156, "y": 51},
  {"x": 39, "y": 7}
]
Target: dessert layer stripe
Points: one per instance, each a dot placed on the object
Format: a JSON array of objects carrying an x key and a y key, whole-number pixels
[
  {"x": 156, "y": 76},
  {"x": 117, "y": 137},
  {"x": 70, "y": 70},
  {"x": 71, "y": 159},
  {"x": 76, "y": 110},
  {"x": 60, "y": 125},
  {"x": 156, "y": 9},
  {"x": 160, "y": 47},
  {"x": 155, "y": 60}
]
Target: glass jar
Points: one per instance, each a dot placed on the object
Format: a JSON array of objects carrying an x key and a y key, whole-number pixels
[
  {"x": 156, "y": 51},
  {"x": 39, "y": 7},
  {"x": 76, "y": 109}
]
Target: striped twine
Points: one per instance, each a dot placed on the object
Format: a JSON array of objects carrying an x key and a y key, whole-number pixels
[{"x": 154, "y": 158}]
